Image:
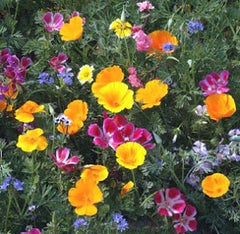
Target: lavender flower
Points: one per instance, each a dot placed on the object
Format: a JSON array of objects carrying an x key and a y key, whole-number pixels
[
  {"x": 44, "y": 78},
  {"x": 200, "y": 148},
  {"x": 5, "y": 183},
  {"x": 167, "y": 47},
  {"x": 193, "y": 180},
  {"x": 119, "y": 222},
  {"x": 17, "y": 184},
  {"x": 66, "y": 76},
  {"x": 195, "y": 26},
  {"x": 80, "y": 222}
]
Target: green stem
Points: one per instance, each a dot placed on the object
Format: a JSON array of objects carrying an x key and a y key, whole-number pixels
[
  {"x": 128, "y": 55},
  {"x": 135, "y": 184},
  {"x": 8, "y": 208},
  {"x": 147, "y": 199},
  {"x": 177, "y": 181}
]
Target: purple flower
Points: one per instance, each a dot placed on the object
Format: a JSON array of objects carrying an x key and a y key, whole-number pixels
[
  {"x": 57, "y": 62},
  {"x": 195, "y": 26},
  {"x": 52, "y": 22},
  {"x": 201, "y": 110},
  {"x": 66, "y": 76},
  {"x": 5, "y": 183},
  {"x": 200, "y": 148},
  {"x": 17, "y": 184},
  {"x": 44, "y": 78},
  {"x": 193, "y": 180},
  {"x": 119, "y": 222},
  {"x": 80, "y": 222}
]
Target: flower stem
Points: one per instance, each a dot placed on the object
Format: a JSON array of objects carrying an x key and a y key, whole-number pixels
[
  {"x": 8, "y": 208},
  {"x": 135, "y": 184},
  {"x": 147, "y": 199}
]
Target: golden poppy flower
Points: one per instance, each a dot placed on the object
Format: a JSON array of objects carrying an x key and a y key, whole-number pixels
[
  {"x": 32, "y": 140},
  {"x": 162, "y": 42},
  {"x": 130, "y": 155},
  {"x": 3, "y": 105},
  {"x": 115, "y": 97},
  {"x": 220, "y": 106},
  {"x": 73, "y": 30},
  {"x": 106, "y": 76},
  {"x": 26, "y": 111},
  {"x": 77, "y": 113},
  {"x": 126, "y": 188},
  {"x": 121, "y": 28},
  {"x": 215, "y": 185},
  {"x": 95, "y": 173},
  {"x": 85, "y": 74},
  {"x": 84, "y": 196},
  {"x": 152, "y": 94}
]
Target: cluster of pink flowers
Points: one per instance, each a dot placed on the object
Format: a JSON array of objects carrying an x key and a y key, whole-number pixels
[
  {"x": 57, "y": 62},
  {"x": 133, "y": 78},
  {"x": 32, "y": 231},
  {"x": 171, "y": 202},
  {"x": 63, "y": 161},
  {"x": 215, "y": 83},
  {"x": 145, "y": 6},
  {"x": 143, "y": 41},
  {"x": 118, "y": 130},
  {"x": 14, "y": 68}
]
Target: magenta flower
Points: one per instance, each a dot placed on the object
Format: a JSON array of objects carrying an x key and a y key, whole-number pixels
[
  {"x": 117, "y": 131},
  {"x": 62, "y": 161},
  {"x": 32, "y": 231},
  {"x": 215, "y": 83},
  {"x": 145, "y": 6},
  {"x": 133, "y": 79},
  {"x": 169, "y": 201},
  {"x": 52, "y": 22},
  {"x": 57, "y": 62},
  {"x": 186, "y": 222}
]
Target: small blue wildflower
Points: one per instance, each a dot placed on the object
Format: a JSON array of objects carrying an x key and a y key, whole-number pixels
[
  {"x": 167, "y": 47},
  {"x": 18, "y": 185},
  {"x": 67, "y": 76},
  {"x": 200, "y": 148},
  {"x": 195, "y": 26},
  {"x": 5, "y": 183},
  {"x": 123, "y": 225},
  {"x": 117, "y": 217},
  {"x": 119, "y": 222},
  {"x": 80, "y": 222},
  {"x": 32, "y": 208},
  {"x": 193, "y": 180},
  {"x": 44, "y": 78}
]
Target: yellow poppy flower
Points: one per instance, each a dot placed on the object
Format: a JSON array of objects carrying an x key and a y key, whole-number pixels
[
  {"x": 152, "y": 94},
  {"x": 95, "y": 173},
  {"x": 73, "y": 30},
  {"x": 32, "y": 140},
  {"x": 220, "y": 106},
  {"x": 83, "y": 196},
  {"x": 130, "y": 155},
  {"x": 215, "y": 185},
  {"x": 126, "y": 188},
  {"x": 26, "y": 111},
  {"x": 115, "y": 97},
  {"x": 121, "y": 28}
]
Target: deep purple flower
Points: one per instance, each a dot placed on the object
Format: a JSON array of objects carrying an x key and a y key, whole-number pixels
[
  {"x": 52, "y": 22},
  {"x": 195, "y": 26}
]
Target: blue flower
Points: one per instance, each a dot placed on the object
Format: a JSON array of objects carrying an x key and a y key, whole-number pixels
[
  {"x": 5, "y": 183},
  {"x": 17, "y": 184},
  {"x": 44, "y": 78},
  {"x": 67, "y": 76},
  {"x": 167, "y": 47},
  {"x": 119, "y": 222},
  {"x": 195, "y": 26},
  {"x": 80, "y": 222}
]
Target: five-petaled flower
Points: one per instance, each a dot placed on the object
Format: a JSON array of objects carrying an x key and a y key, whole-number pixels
[
  {"x": 169, "y": 201},
  {"x": 63, "y": 161}
]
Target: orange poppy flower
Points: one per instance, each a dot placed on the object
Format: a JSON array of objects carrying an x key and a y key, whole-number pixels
[
  {"x": 215, "y": 185},
  {"x": 26, "y": 111},
  {"x": 84, "y": 196},
  {"x": 73, "y": 30},
  {"x": 32, "y": 140},
  {"x": 220, "y": 106},
  {"x": 3, "y": 105},
  {"x": 160, "y": 39},
  {"x": 152, "y": 94},
  {"x": 12, "y": 91},
  {"x": 130, "y": 155},
  {"x": 115, "y": 97},
  {"x": 126, "y": 188},
  {"x": 106, "y": 76},
  {"x": 76, "y": 112},
  {"x": 95, "y": 173}
]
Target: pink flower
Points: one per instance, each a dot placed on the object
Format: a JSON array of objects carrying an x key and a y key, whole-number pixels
[
  {"x": 215, "y": 83},
  {"x": 62, "y": 161},
  {"x": 169, "y": 201},
  {"x": 52, "y": 22},
  {"x": 186, "y": 222},
  {"x": 145, "y": 6},
  {"x": 32, "y": 231},
  {"x": 117, "y": 131},
  {"x": 133, "y": 79},
  {"x": 143, "y": 41},
  {"x": 57, "y": 61},
  {"x": 76, "y": 13}
]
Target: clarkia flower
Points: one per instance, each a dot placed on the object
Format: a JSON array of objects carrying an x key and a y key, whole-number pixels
[
  {"x": 85, "y": 74},
  {"x": 57, "y": 62},
  {"x": 52, "y": 21},
  {"x": 214, "y": 83},
  {"x": 32, "y": 231},
  {"x": 215, "y": 185},
  {"x": 63, "y": 161},
  {"x": 121, "y": 28},
  {"x": 152, "y": 94},
  {"x": 73, "y": 30},
  {"x": 186, "y": 222},
  {"x": 169, "y": 201},
  {"x": 195, "y": 26},
  {"x": 145, "y": 6}
]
